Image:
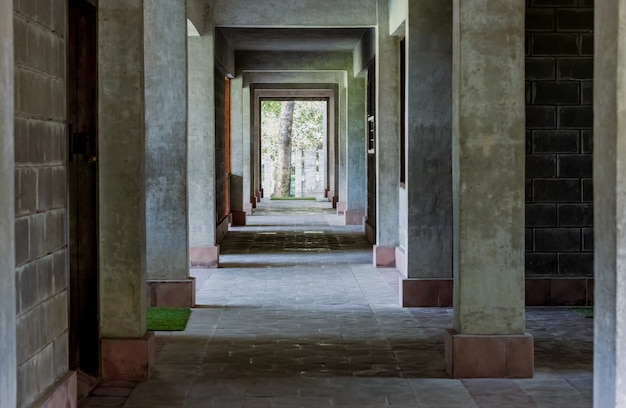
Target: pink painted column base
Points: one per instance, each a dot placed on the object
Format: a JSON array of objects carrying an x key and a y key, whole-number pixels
[
  {"x": 204, "y": 257},
  {"x": 62, "y": 395},
  {"x": 426, "y": 292},
  {"x": 489, "y": 356},
  {"x": 341, "y": 207},
  {"x": 172, "y": 293},
  {"x": 128, "y": 359},
  {"x": 384, "y": 257},
  {"x": 354, "y": 217},
  {"x": 238, "y": 218}
]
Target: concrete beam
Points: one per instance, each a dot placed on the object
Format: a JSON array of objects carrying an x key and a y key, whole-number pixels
[
  {"x": 8, "y": 351},
  {"x": 609, "y": 181},
  {"x": 296, "y": 13}
]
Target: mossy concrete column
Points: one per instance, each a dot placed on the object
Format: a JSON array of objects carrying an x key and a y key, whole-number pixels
[
  {"x": 167, "y": 249},
  {"x": 609, "y": 174},
  {"x": 387, "y": 140},
  {"x": 127, "y": 348},
  {"x": 488, "y": 150},
  {"x": 8, "y": 351},
  {"x": 201, "y": 152}
]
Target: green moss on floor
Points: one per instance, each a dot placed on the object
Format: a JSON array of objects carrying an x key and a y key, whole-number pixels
[
  {"x": 584, "y": 311},
  {"x": 168, "y": 318}
]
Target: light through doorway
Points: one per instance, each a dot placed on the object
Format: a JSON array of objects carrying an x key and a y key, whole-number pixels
[{"x": 293, "y": 149}]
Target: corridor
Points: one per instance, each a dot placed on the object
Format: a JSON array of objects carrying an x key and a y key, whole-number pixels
[{"x": 296, "y": 316}]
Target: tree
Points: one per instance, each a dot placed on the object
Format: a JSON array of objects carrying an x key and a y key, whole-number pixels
[{"x": 283, "y": 180}]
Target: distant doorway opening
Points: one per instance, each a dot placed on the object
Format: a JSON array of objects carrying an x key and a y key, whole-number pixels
[{"x": 293, "y": 154}]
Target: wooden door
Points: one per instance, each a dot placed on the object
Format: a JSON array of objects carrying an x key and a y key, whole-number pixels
[{"x": 82, "y": 186}]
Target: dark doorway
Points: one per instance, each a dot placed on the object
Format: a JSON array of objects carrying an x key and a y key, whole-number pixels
[{"x": 82, "y": 186}]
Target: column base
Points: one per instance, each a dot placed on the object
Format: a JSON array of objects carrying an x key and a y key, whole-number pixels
[
  {"x": 258, "y": 196},
  {"x": 326, "y": 190},
  {"x": 426, "y": 292},
  {"x": 63, "y": 394},
  {"x": 238, "y": 218},
  {"x": 204, "y": 257},
  {"x": 489, "y": 356},
  {"x": 247, "y": 208},
  {"x": 172, "y": 293},
  {"x": 354, "y": 217},
  {"x": 253, "y": 201},
  {"x": 335, "y": 201},
  {"x": 384, "y": 257},
  {"x": 341, "y": 207},
  {"x": 128, "y": 359},
  {"x": 370, "y": 234}
]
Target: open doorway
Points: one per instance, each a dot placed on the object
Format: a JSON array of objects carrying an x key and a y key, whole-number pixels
[{"x": 293, "y": 156}]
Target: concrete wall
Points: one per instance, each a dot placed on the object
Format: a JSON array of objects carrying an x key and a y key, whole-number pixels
[
  {"x": 40, "y": 197},
  {"x": 8, "y": 365},
  {"x": 559, "y": 145}
]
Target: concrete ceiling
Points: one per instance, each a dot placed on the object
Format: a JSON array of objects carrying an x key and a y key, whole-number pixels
[{"x": 293, "y": 39}]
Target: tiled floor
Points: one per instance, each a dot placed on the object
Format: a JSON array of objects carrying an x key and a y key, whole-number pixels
[{"x": 297, "y": 317}]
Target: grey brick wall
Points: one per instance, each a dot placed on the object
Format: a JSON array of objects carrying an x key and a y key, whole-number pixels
[
  {"x": 40, "y": 196},
  {"x": 559, "y": 137}
]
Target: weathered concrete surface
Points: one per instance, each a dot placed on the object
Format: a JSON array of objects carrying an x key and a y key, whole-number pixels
[
  {"x": 387, "y": 133},
  {"x": 8, "y": 364},
  {"x": 305, "y": 13},
  {"x": 165, "y": 28},
  {"x": 488, "y": 166},
  {"x": 122, "y": 221},
  {"x": 201, "y": 151},
  {"x": 398, "y": 11},
  {"x": 429, "y": 140},
  {"x": 609, "y": 173},
  {"x": 236, "y": 145}
]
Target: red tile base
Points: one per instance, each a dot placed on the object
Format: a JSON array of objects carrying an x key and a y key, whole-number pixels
[
  {"x": 238, "y": 218},
  {"x": 489, "y": 356},
  {"x": 62, "y": 395},
  {"x": 341, "y": 207},
  {"x": 335, "y": 201},
  {"x": 172, "y": 293},
  {"x": 128, "y": 359},
  {"x": 204, "y": 257},
  {"x": 559, "y": 291},
  {"x": 354, "y": 217},
  {"x": 384, "y": 257},
  {"x": 426, "y": 292}
]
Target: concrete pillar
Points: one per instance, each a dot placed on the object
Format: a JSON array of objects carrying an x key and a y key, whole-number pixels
[
  {"x": 8, "y": 350},
  {"x": 609, "y": 173},
  {"x": 355, "y": 152},
  {"x": 387, "y": 140},
  {"x": 127, "y": 349},
  {"x": 236, "y": 153},
  {"x": 248, "y": 151},
  {"x": 201, "y": 153},
  {"x": 426, "y": 258},
  {"x": 167, "y": 249},
  {"x": 488, "y": 339},
  {"x": 341, "y": 149}
]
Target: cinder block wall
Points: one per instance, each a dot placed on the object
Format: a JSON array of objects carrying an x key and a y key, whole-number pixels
[
  {"x": 559, "y": 138},
  {"x": 40, "y": 196}
]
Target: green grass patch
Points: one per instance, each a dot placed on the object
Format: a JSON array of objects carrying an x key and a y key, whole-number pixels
[
  {"x": 168, "y": 318},
  {"x": 584, "y": 311},
  {"x": 293, "y": 198}
]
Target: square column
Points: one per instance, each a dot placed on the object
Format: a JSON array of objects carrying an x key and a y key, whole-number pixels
[
  {"x": 387, "y": 140},
  {"x": 356, "y": 154},
  {"x": 167, "y": 249},
  {"x": 127, "y": 349},
  {"x": 609, "y": 173},
  {"x": 204, "y": 251},
  {"x": 8, "y": 350},
  {"x": 236, "y": 153},
  {"x": 489, "y": 337},
  {"x": 426, "y": 224}
]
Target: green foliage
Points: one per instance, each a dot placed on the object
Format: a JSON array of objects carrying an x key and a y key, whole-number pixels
[{"x": 308, "y": 126}]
